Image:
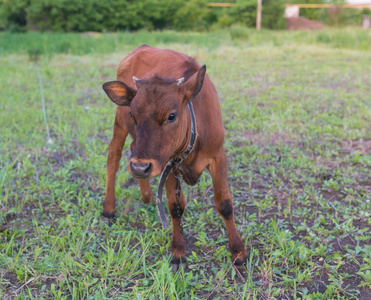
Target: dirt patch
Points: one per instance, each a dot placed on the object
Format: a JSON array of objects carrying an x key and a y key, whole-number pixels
[
  {"x": 363, "y": 146},
  {"x": 300, "y": 23},
  {"x": 365, "y": 293}
]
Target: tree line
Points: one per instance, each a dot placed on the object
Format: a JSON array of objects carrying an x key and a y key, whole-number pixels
[{"x": 120, "y": 15}]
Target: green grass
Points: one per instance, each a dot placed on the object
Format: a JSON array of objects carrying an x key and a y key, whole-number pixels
[
  {"x": 95, "y": 42},
  {"x": 297, "y": 109}
]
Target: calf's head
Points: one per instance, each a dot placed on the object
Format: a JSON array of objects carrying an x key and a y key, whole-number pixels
[{"x": 158, "y": 108}]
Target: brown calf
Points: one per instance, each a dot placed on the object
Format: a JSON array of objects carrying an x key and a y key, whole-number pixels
[{"x": 154, "y": 111}]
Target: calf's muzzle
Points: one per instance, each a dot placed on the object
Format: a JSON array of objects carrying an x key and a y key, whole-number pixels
[{"x": 141, "y": 170}]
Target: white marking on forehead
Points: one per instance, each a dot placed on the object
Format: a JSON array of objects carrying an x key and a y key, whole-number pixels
[
  {"x": 180, "y": 80},
  {"x": 135, "y": 79}
]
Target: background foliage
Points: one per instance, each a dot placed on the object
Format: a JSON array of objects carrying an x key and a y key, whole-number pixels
[
  {"x": 340, "y": 17},
  {"x": 118, "y": 15}
]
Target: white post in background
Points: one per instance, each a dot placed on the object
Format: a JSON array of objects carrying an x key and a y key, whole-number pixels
[
  {"x": 292, "y": 11},
  {"x": 259, "y": 15},
  {"x": 366, "y": 24}
]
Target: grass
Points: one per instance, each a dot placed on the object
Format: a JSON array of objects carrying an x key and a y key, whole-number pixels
[
  {"x": 105, "y": 43},
  {"x": 297, "y": 110}
]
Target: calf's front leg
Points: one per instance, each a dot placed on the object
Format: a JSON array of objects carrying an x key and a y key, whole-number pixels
[
  {"x": 113, "y": 161},
  {"x": 176, "y": 209},
  {"x": 224, "y": 206}
]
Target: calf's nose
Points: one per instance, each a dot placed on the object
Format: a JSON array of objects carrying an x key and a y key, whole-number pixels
[{"x": 141, "y": 171}]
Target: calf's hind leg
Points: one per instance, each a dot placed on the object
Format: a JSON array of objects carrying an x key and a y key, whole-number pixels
[
  {"x": 224, "y": 206},
  {"x": 113, "y": 162},
  {"x": 145, "y": 190},
  {"x": 144, "y": 186}
]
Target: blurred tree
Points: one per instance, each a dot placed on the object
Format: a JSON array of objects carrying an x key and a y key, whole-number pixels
[
  {"x": 313, "y": 13},
  {"x": 112, "y": 15},
  {"x": 13, "y": 15},
  {"x": 244, "y": 12},
  {"x": 195, "y": 15},
  {"x": 273, "y": 14}
]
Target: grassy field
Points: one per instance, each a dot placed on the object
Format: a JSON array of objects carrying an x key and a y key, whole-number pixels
[{"x": 297, "y": 109}]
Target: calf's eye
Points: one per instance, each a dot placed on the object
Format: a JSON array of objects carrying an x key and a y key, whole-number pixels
[
  {"x": 131, "y": 115},
  {"x": 171, "y": 118}
]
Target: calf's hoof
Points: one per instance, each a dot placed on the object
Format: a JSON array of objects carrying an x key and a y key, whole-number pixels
[
  {"x": 240, "y": 263},
  {"x": 178, "y": 264},
  {"x": 109, "y": 218},
  {"x": 147, "y": 199}
]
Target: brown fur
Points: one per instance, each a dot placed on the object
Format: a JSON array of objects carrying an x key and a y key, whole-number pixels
[{"x": 144, "y": 112}]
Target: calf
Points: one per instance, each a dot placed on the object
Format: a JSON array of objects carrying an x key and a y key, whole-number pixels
[{"x": 156, "y": 110}]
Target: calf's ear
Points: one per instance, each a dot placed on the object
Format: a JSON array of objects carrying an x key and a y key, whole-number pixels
[
  {"x": 194, "y": 84},
  {"x": 119, "y": 92}
]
